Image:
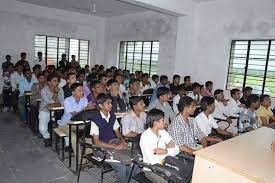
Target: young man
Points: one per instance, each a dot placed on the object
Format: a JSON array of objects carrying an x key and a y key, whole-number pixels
[
  {"x": 234, "y": 105},
  {"x": 7, "y": 91},
  {"x": 206, "y": 121},
  {"x": 119, "y": 78},
  {"x": 96, "y": 88},
  {"x": 195, "y": 94},
  {"x": 185, "y": 131},
  {"x": 103, "y": 79},
  {"x": 247, "y": 91},
  {"x": 221, "y": 108},
  {"x": 164, "y": 82},
  {"x": 23, "y": 61},
  {"x": 187, "y": 83},
  {"x": 248, "y": 120},
  {"x": 118, "y": 102},
  {"x": 74, "y": 64},
  {"x": 144, "y": 84},
  {"x": 174, "y": 87},
  {"x": 36, "y": 89},
  {"x": 134, "y": 85},
  {"x": 7, "y": 64},
  {"x": 36, "y": 70},
  {"x": 176, "y": 99},
  {"x": 154, "y": 81},
  {"x": 63, "y": 62},
  {"x": 162, "y": 103},
  {"x": 265, "y": 115},
  {"x": 40, "y": 61},
  {"x": 81, "y": 79},
  {"x": 16, "y": 77},
  {"x": 51, "y": 95},
  {"x": 133, "y": 122},
  {"x": 71, "y": 79},
  {"x": 25, "y": 85},
  {"x": 208, "y": 89}
]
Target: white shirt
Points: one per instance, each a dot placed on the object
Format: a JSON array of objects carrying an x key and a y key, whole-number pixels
[
  {"x": 15, "y": 78},
  {"x": 194, "y": 97},
  {"x": 220, "y": 110},
  {"x": 152, "y": 83},
  {"x": 95, "y": 129},
  {"x": 34, "y": 79},
  {"x": 122, "y": 88},
  {"x": 233, "y": 107},
  {"x": 149, "y": 141},
  {"x": 143, "y": 88},
  {"x": 176, "y": 101},
  {"x": 132, "y": 123},
  {"x": 62, "y": 83},
  {"x": 42, "y": 63},
  {"x": 206, "y": 124}
]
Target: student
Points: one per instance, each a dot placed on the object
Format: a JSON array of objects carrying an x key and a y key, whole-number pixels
[
  {"x": 118, "y": 102},
  {"x": 195, "y": 94},
  {"x": 40, "y": 61},
  {"x": 61, "y": 76},
  {"x": 187, "y": 83},
  {"x": 51, "y": 95},
  {"x": 109, "y": 74},
  {"x": 139, "y": 75},
  {"x": 74, "y": 64},
  {"x": 206, "y": 121},
  {"x": 87, "y": 70},
  {"x": 106, "y": 134},
  {"x": 154, "y": 81},
  {"x": 133, "y": 122},
  {"x": 7, "y": 91},
  {"x": 176, "y": 99},
  {"x": 96, "y": 88},
  {"x": 265, "y": 115},
  {"x": 36, "y": 89},
  {"x": 162, "y": 103},
  {"x": 7, "y": 64},
  {"x": 16, "y": 77},
  {"x": 164, "y": 82},
  {"x": 63, "y": 62},
  {"x": 144, "y": 84},
  {"x": 208, "y": 89},
  {"x": 25, "y": 85},
  {"x": 36, "y": 70},
  {"x": 174, "y": 87},
  {"x": 234, "y": 105},
  {"x": 247, "y": 91},
  {"x": 73, "y": 105},
  {"x": 81, "y": 79},
  {"x": 248, "y": 120},
  {"x": 155, "y": 143},
  {"x": 23, "y": 61},
  {"x": 221, "y": 108},
  {"x": 71, "y": 79},
  {"x": 119, "y": 78},
  {"x": 134, "y": 87},
  {"x": 185, "y": 131},
  {"x": 103, "y": 79}
]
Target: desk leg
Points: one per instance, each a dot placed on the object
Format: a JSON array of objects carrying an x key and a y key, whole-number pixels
[
  {"x": 50, "y": 130},
  {"x": 77, "y": 148},
  {"x": 70, "y": 145}
]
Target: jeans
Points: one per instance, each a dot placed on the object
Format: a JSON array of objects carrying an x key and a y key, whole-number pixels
[
  {"x": 7, "y": 98},
  {"x": 22, "y": 108},
  {"x": 123, "y": 172},
  {"x": 44, "y": 118}
]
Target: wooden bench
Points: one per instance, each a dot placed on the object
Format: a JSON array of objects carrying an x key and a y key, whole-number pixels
[{"x": 59, "y": 135}]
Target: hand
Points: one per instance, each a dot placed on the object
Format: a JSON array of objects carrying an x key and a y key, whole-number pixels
[
  {"x": 170, "y": 144},
  {"x": 229, "y": 120},
  {"x": 91, "y": 106},
  {"x": 219, "y": 140},
  {"x": 160, "y": 151},
  {"x": 242, "y": 106},
  {"x": 56, "y": 90}
]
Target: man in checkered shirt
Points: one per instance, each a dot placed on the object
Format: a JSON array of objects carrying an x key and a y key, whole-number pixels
[{"x": 184, "y": 131}]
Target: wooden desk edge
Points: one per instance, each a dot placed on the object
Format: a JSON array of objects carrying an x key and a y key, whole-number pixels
[{"x": 56, "y": 108}]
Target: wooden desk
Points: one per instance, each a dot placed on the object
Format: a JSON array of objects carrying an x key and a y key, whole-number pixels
[
  {"x": 52, "y": 120},
  {"x": 247, "y": 158}
]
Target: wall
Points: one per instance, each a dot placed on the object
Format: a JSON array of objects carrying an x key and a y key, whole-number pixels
[{"x": 143, "y": 26}]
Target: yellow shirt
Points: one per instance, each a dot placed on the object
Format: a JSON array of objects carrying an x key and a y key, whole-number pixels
[{"x": 264, "y": 112}]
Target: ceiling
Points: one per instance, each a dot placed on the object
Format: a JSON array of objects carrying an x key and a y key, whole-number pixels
[{"x": 104, "y": 8}]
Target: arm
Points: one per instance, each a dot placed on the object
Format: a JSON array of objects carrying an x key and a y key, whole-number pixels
[
  {"x": 203, "y": 142},
  {"x": 224, "y": 132},
  {"x": 212, "y": 139},
  {"x": 264, "y": 120},
  {"x": 186, "y": 149},
  {"x": 102, "y": 144}
]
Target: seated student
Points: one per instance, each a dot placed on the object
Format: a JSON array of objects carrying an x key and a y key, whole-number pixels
[
  {"x": 185, "y": 131},
  {"x": 36, "y": 70},
  {"x": 176, "y": 99},
  {"x": 144, "y": 84},
  {"x": 187, "y": 83},
  {"x": 221, "y": 108},
  {"x": 51, "y": 95},
  {"x": 174, "y": 87},
  {"x": 134, "y": 87},
  {"x": 247, "y": 91},
  {"x": 155, "y": 143},
  {"x": 73, "y": 105},
  {"x": 162, "y": 103},
  {"x": 164, "y": 82},
  {"x": 208, "y": 89},
  {"x": 248, "y": 120},
  {"x": 133, "y": 122},
  {"x": 103, "y": 79},
  {"x": 119, "y": 78},
  {"x": 235, "y": 107},
  {"x": 61, "y": 76},
  {"x": 25, "y": 85},
  {"x": 195, "y": 94},
  {"x": 16, "y": 77},
  {"x": 96, "y": 88},
  {"x": 36, "y": 89},
  {"x": 206, "y": 121},
  {"x": 265, "y": 115},
  {"x": 154, "y": 81},
  {"x": 71, "y": 79},
  {"x": 105, "y": 133},
  {"x": 118, "y": 102},
  {"x": 81, "y": 76}
]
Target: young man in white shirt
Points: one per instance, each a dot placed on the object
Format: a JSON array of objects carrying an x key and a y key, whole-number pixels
[
  {"x": 16, "y": 76},
  {"x": 206, "y": 121},
  {"x": 40, "y": 61},
  {"x": 176, "y": 99},
  {"x": 119, "y": 78},
  {"x": 221, "y": 107},
  {"x": 154, "y": 81},
  {"x": 195, "y": 94},
  {"x": 134, "y": 121},
  {"x": 144, "y": 84},
  {"x": 235, "y": 107}
]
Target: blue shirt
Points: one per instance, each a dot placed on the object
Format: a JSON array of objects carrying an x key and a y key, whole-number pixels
[
  {"x": 70, "y": 105},
  {"x": 154, "y": 96},
  {"x": 24, "y": 85}
]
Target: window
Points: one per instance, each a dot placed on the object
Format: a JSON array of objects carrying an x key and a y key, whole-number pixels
[
  {"x": 252, "y": 63},
  {"x": 139, "y": 55},
  {"x": 53, "y": 47}
]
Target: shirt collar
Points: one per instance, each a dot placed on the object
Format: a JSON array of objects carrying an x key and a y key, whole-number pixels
[{"x": 104, "y": 117}]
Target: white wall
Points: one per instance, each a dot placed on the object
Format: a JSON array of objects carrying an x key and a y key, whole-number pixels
[{"x": 143, "y": 26}]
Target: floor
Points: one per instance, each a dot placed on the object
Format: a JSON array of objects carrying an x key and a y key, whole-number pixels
[{"x": 24, "y": 159}]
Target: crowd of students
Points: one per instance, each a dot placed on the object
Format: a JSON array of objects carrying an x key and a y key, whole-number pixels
[{"x": 167, "y": 128}]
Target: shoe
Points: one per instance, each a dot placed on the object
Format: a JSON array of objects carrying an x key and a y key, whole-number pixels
[
  {"x": 47, "y": 142},
  {"x": 5, "y": 109}
]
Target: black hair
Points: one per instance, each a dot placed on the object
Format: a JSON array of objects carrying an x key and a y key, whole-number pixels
[
  {"x": 162, "y": 91},
  {"x": 39, "y": 53},
  {"x": 74, "y": 86},
  {"x": 252, "y": 99},
  {"x": 51, "y": 67},
  {"x": 217, "y": 92},
  {"x": 186, "y": 77},
  {"x": 8, "y": 56},
  {"x": 91, "y": 77},
  {"x": 26, "y": 70},
  {"x": 184, "y": 102},
  {"x": 103, "y": 97},
  {"x": 52, "y": 76},
  {"x": 263, "y": 97},
  {"x": 111, "y": 81},
  {"x": 23, "y": 54},
  {"x": 108, "y": 70},
  {"x": 37, "y": 66},
  {"x": 195, "y": 85},
  {"x": 87, "y": 66},
  {"x": 69, "y": 74},
  {"x": 247, "y": 88},
  {"x": 234, "y": 91},
  {"x": 94, "y": 83},
  {"x": 145, "y": 75},
  {"x": 208, "y": 83},
  {"x": 163, "y": 77},
  {"x": 101, "y": 67},
  {"x": 155, "y": 77},
  {"x": 40, "y": 74},
  {"x": 134, "y": 100},
  {"x": 181, "y": 87},
  {"x": 100, "y": 76},
  {"x": 176, "y": 77},
  {"x": 152, "y": 116},
  {"x": 132, "y": 81},
  {"x": 117, "y": 74},
  {"x": 206, "y": 101}
]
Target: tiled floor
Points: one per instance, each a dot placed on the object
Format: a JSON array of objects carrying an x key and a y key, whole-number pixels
[{"x": 24, "y": 159}]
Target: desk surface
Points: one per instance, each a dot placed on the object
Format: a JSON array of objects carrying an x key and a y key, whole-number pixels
[
  {"x": 249, "y": 155},
  {"x": 28, "y": 94},
  {"x": 56, "y": 108}
]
